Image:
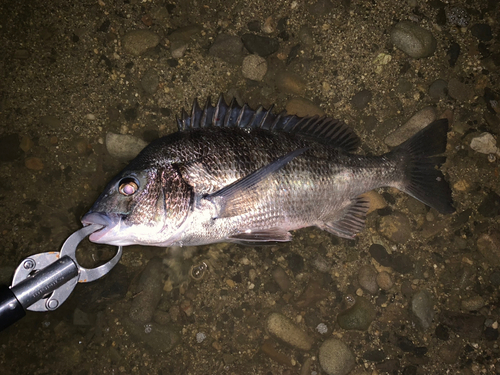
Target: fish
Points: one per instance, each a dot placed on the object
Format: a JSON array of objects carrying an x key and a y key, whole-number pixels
[{"x": 234, "y": 174}]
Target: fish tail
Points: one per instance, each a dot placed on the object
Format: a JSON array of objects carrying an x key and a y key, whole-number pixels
[{"x": 420, "y": 160}]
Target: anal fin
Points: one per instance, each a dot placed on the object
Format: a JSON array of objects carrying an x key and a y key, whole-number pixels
[{"x": 352, "y": 220}]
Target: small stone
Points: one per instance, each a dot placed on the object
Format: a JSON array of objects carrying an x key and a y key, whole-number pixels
[
  {"x": 260, "y": 45},
  {"x": 228, "y": 48},
  {"x": 137, "y": 42},
  {"x": 489, "y": 246},
  {"x": 306, "y": 35},
  {"x": 281, "y": 279},
  {"x": 312, "y": 294},
  {"x": 322, "y": 328},
  {"x": 50, "y": 121},
  {"x": 384, "y": 280},
  {"x": 361, "y": 99},
  {"x": 336, "y": 358},
  {"x": 282, "y": 328},
  {"x": 302, "y": 107},
  {"x": 185, "y": 33},
  {"x": 467, "y": 325},
  {"x": 200, "y": 337},
  {"x": 422, "y": 306},
  {"x": 484, "y": 144},
  {"x": 413, "y": 40},
  {"x": 453, "y": 53},
  {"x": 417, "y": 122},
  {"x": 150, "y": 81},
  {"x": 460, "y": 91},
  {"x": 482, "y": 32},
  {"x": 449, "y": 353},
  {"x": 34, "y": 164},
  {"x": 321, "y": 7},
  {"x": 395, "y": 227},
  {"x": 254, "y": 67},
  {"x": 359, "y": 316},
  {"x": 124, "y": 146},
  {"x": 457, "y": 16},
  {"x": 26, "y": 144},
  {"x": 290, "y": 83},
  {"x": 438, "y": 89},
  {"x": 380, "y": 254},
  {"x": 473, "y": 303},
  {"x": 269, "y": 25},
  {"x": 178, "y": 48},
  {"x": 377, "y": 202},
  {"x": 367, "y": 278}
]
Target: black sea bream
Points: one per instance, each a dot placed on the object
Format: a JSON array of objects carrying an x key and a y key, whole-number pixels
[{"x": 238, "y": 175}]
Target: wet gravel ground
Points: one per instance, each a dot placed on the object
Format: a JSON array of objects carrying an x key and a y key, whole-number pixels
[{"x": 417, "y": 292}]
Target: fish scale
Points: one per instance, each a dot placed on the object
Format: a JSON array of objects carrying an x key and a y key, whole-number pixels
[{"x": 238, "y": 175}]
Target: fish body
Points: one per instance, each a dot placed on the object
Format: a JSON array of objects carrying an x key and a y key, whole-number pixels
[{"x": 238, "y": 175}]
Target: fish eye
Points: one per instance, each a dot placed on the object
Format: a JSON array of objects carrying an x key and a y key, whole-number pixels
[{"x": 128, "y": 186}]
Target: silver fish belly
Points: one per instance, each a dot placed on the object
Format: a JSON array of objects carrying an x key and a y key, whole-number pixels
[{"x": 234, "y": 174}]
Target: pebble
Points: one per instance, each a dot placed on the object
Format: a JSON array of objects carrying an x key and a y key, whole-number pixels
[
  {"x": 467, "y": 325},
  {"x": 490, "y": 206},
  {"x": 50, "y": 121},
  {"x": 124, "y": 146},
  {"x": 10, "y": 147},
  {"x": 150, "y": 81},
  {"x": 384, "y": 280},
  {"x": 422, "y": 306},
  {"x": 34, "y": 163},
  {"x": 137, "y": 42},
  {"x": 322, "y": 7},
  {"x": 282, "y": 328},
  {"x": 395, "y": 227},
  {"x": 413, "y": 40},
  {"x": 489, "y": 246},
  {"x": 290, "y": 83},
  {"x": 260, "y": 45},
  {"x": 228, "y": 48},
  {"x": 322, "y": 328},
  {"x": 367, "y": 278},
  {"x": 485, "y": 144},
  {"x": 377, "y": 202},
  {"x": 281, "y": 279},
  {"x": 277, "y": 356},
  {"x": 438, "y": 89},
  {"x": 482, "y": 32},
  {"x": 336, "y": 358},
  {"x": 254, "y": 67},
  {"x": 457, "y": 16},
  {"x": 303, "y": 107},
  {"x": 200, "y": 337},
  {"x": 306, "y": 36},
  {"x": 380, "y": 254},
  {"x": 359, "y": 316},
  {"x": 361, "y": 99},
  {"x": 312, "y": 294},
  {"x": 148, "y": 292},
  {"x": 417, "y": 122},
  {"x": 450, "y": 353},
  {"x": 178, "y": 48},
  {"x": 473, "y": 303},
  {"x": 460, "y": 91}
]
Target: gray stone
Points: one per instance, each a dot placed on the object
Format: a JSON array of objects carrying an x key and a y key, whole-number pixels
[
  {"x": 413, "y": 40},
  {"x": 484, "y": 144},
  {"x": 417, "y": 122},
  {"x": 359, "y": 316},
  {"x": 336, "y": 358},
  {"x": 395, "y": 227},
  {"x": 367, "y": 278},
  {"x": 228, "y": 48},
  {"x": 178, "y": 48},
  {"x": 254, "y": 67},
  {"x": 361, "y": 99},
  {"x": 124, "y": 146},
  {"x": 148, "y": 292},
  {"x": 150, "y": 81},
  {"x": 438, "y": 89},
  {"x": 473, "y": 303},
  {"x": 460, "y": 91},
  {"x": 284, "y": 329},
  {"x": 137, "y": 42},
  {"x": 422, "y": 306}
]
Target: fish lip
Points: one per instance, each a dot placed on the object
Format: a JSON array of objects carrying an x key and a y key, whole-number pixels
[{"x": 100, "y": 218}]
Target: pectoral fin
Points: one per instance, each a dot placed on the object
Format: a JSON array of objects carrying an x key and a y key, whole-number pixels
[{"x": 237, "y": 194}]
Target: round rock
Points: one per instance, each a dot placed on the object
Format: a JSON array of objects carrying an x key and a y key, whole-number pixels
[
  {"x": 254, "y": 67},
  {"x": 359, "y": 316},
  {"x": 422, "y": 306},
  {"x": 137, "y": 42},
  {"x": 282, "y": 328},
  {"x": 395, "y": 227},
  {"x": 123, "y": 146},
  {"x": 413, "y": 40},
  {"x": 336, "y": 358},
  {"x": 367, "y": 278}
]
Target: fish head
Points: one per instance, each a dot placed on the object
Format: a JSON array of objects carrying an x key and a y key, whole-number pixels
[{"x": 141, "y": 207}]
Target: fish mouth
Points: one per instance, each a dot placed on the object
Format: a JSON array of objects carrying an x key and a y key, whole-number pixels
[{"x": 100, "y": 218}]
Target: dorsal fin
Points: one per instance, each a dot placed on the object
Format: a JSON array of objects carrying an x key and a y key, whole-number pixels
[{"x": 321, "y": 129}]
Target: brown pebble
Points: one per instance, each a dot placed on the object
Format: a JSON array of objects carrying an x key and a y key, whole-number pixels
[
  {"x": 26, "y": 144},
  {"x": 384, "y": 280},
  {"x": 34, "y": 164},
  {"x": 367, "y": 279},
  {"x": 54, "y": 140}
]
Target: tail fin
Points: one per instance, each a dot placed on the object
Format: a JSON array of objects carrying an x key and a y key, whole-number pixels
[{"x": 423, "y": 180}]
